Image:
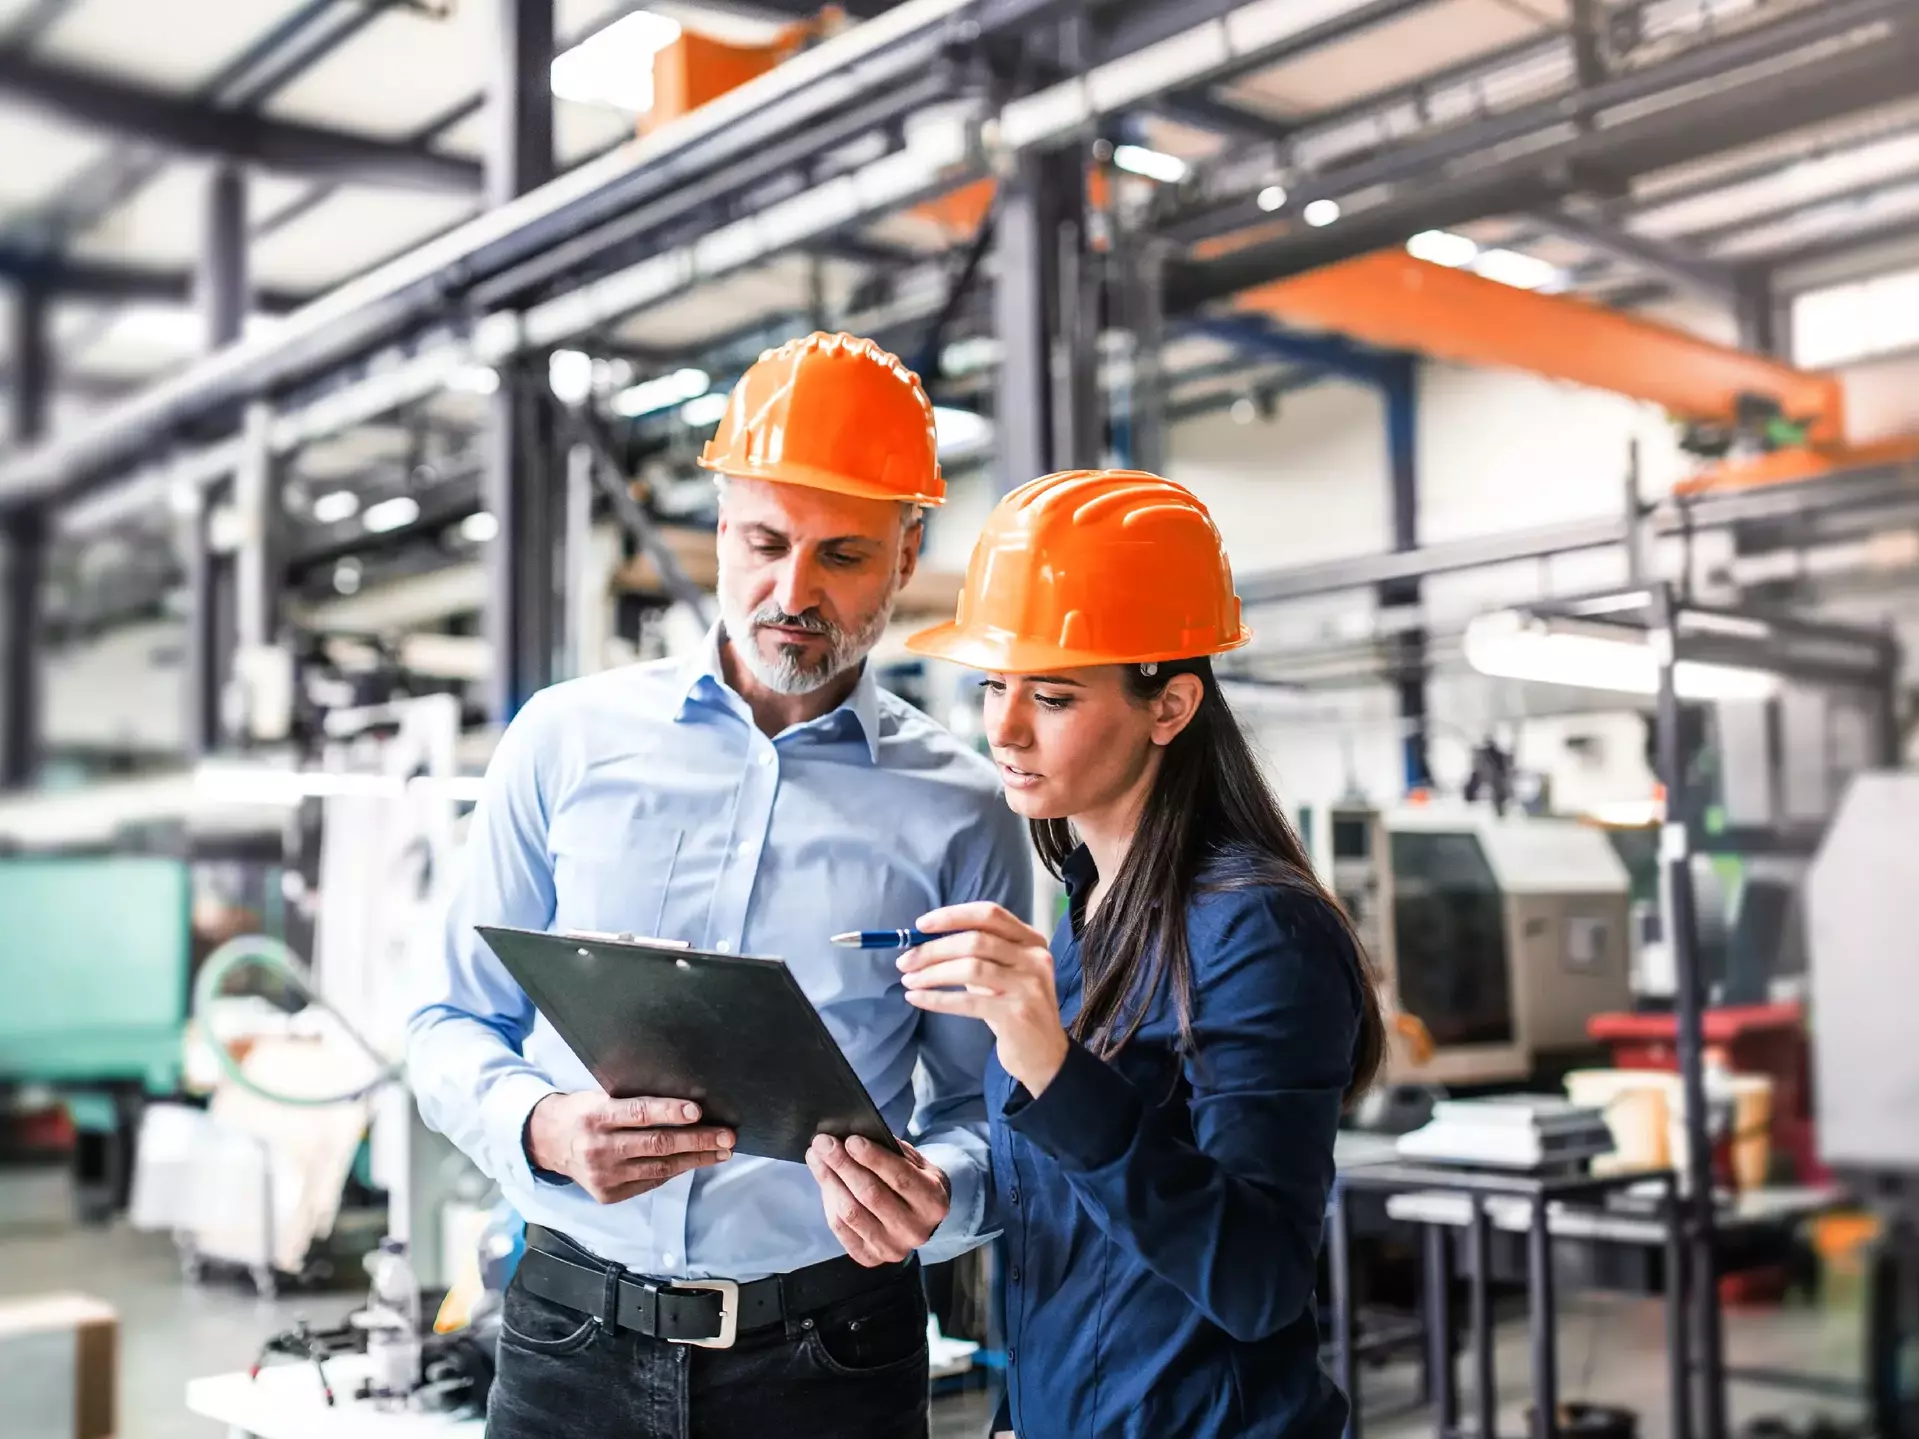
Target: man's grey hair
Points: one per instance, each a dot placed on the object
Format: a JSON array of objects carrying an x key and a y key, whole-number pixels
[{"x": 910, "y": 514}]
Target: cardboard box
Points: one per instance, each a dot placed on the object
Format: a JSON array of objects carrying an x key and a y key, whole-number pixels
[{"x": 59, "y": 1367}]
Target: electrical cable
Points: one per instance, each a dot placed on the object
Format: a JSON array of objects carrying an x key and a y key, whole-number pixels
[{"x": 261, "y": 951}]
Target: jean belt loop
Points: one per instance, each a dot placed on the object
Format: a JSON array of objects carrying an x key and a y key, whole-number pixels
[{"x": 610, "y": 1301}]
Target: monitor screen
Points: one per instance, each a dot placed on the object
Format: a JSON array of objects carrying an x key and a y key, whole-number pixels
[{"x": 1450, "y": 938}]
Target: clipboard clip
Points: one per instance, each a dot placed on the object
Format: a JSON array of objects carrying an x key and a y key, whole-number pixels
[{"x": 606, "y": 938}]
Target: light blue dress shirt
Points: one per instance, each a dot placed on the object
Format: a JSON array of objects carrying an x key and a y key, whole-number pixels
[{"x": 644, "y": 800}]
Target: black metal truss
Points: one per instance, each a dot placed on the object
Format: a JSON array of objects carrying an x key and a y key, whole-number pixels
[
  {"x": 193, "y": 127},
  {"x": 69, "y": 277}
]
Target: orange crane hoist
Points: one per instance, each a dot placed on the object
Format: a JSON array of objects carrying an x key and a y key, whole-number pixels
[{"x": 1723, "y": 395}]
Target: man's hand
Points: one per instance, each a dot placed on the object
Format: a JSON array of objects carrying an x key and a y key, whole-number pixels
[
  {"x": 617, "y": 1148},
  {"x": 881, "y": 1206}
]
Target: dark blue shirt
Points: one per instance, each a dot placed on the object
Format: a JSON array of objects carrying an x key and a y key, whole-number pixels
[{"x": 1162, "y": 1214}]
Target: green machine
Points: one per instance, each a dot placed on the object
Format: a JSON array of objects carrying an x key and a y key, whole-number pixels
[{"x": 95, "y": 954}]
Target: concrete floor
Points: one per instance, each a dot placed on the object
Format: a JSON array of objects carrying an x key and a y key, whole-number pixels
[{"x": 1611, "y": 1349}]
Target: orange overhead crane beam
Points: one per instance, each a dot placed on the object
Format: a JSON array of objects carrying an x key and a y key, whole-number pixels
[{"x": 1394, "y": 300}]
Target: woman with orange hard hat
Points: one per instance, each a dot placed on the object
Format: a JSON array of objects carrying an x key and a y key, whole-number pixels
[{"x": 1170, "y": 1069}]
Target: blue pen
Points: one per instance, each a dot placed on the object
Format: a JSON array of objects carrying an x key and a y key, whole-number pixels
[{"x": 881, "y": 939}]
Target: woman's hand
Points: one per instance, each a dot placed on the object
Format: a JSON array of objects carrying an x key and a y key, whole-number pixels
[{"x": 1007, "y": 974}]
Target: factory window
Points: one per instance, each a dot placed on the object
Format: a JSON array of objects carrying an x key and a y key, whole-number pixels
[{"x": 1843, "y": 323}]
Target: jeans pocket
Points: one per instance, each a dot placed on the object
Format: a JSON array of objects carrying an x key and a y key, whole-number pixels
[
  {"x": 540, "y": 1326},
  {"x": 871, "y": 1339}
]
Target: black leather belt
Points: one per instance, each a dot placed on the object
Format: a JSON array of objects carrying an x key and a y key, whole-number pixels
[{"x": 705, "y": 1312}]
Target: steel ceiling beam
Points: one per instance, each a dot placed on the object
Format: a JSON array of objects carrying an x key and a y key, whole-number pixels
[
  {"x": 65, "y": 277},
  {"x": 1427, "y": 193},
  {"x": 193, "y": 127},
  {"x": 1784, "y": 214},
  {"x": 1693, "y": 272}
]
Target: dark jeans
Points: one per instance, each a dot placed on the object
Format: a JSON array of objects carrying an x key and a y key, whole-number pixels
[{"x": 855, "y": 1370}]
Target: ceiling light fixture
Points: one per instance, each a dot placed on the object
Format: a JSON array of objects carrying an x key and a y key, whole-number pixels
[
  {"x": 393, "y": 514},
  {"x": 959, "y": 431},
  {"x": 569, "y": 373},
  {"x": 1272, "y": 198},
  {"x": 474, "y": 380},
  {"x": 335, "y": 506},
  {"x": 1509, "y": 644},
  {"x": 705, "y": 410},
  {"x": 1443, "y": 247},
  {"x": 1522, "y": 272},
  {"x": 614, "y": 66},
  {"x": 1321, "y": 213},
  {"x": 479, "y": 527},
  {"x": 662, "y": 393},
  {"x": 1153, "y": 164}
]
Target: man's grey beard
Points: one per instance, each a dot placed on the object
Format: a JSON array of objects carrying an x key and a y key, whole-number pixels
[{"x": 793, "y": 671}]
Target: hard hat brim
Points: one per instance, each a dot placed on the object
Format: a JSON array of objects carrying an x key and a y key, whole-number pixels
[
  {"x": 815, "y": 478},
  {"x": 1018, "y": 655}
]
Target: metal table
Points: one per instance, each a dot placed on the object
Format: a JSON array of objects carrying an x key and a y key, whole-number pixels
[{"x": 1550, "y": 1202}]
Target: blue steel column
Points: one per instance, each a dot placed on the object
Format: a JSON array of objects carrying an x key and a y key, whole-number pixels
[
  {"x": 522, "y": 484},
  {"x": 21, "y": 604},
  {"x": 1399, "y": 385}
]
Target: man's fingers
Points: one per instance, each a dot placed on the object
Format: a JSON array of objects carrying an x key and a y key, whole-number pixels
[
  {"x": 918, "y": 1184},
  {"x": 868, "y": 1189},
  {"x": 843, "y": 1210},
  {"x": 647, "y": 1112},
  {"x": 655, "y": 1143}
]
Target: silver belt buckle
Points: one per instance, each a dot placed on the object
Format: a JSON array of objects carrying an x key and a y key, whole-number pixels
[{"x": 729, "y": 1293}]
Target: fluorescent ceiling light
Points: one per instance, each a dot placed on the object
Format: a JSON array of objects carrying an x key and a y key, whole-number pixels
[
  {"x": 1153, "y": 164},
  {"x": 1510, "y": 645},
  {"x": 570, "y": 375},
  {"x": 479, "y": 527},
  {"x": 474, "y": 380},
  {"x": 614, "y": 66},
  {"x": 1321, "y": 213},
  {"x": 1510, "y": 267},
  {"x": 959, "y": 431},
  {"x": 706, "y": 409},
  {"x": 1443, "y": 247},
  {"x": 335, "y": 506},
  {"x": 662, "y": 393},
  {"x": 1272, "y": 198},
  {"x": 391, "y": 514}
]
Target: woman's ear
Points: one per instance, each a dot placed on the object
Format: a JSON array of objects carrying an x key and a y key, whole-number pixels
[{"x": 1174, "y": 707}]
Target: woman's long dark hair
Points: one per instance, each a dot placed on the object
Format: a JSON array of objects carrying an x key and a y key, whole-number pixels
[{"x": 1210, "y": 822}]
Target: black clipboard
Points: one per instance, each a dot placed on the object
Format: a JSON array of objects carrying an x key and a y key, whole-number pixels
[{"x": 733, "y": 1033}]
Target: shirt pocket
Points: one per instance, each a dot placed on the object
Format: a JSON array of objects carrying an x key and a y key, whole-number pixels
[{"x": 613, "y": 867}]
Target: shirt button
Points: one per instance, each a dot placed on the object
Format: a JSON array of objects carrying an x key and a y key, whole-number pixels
[
  {"x": 766, "y": 757},
  {"x": 1016, "y": 1273},
  {"x": 1012, "y": 1356},
  {"x": 1016, "y": 1196},
  {"x": 669, "y": 1259},
  {"x": 746, "y": 848},
  {"x": 723, "y": 945}
]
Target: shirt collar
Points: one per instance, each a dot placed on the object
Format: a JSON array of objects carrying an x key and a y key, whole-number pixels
[
  {"x": 1078, "y": 870},
  {"x": 704, "y": 678}
]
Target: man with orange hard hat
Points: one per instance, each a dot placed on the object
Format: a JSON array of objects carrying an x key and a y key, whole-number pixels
[{"x": 756, "y": 798}]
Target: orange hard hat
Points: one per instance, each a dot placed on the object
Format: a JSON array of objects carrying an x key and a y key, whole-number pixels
[
  {"x": 1092, "y": 567},
  {"x": 835, "y": 413}
]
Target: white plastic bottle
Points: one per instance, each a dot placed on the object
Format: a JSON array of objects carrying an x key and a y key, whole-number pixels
[{"x": 393, "y": 1324}]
